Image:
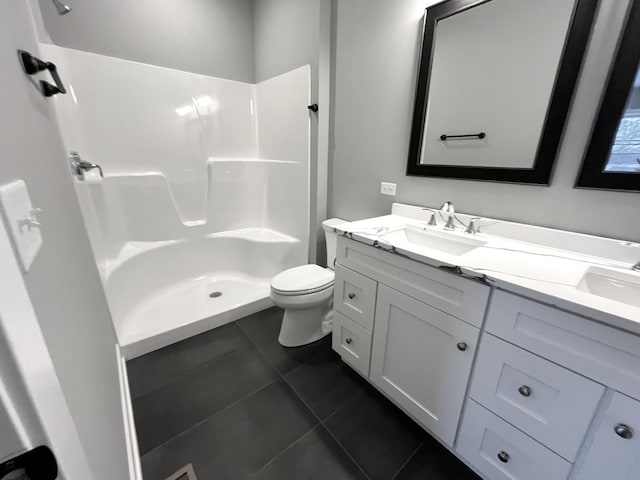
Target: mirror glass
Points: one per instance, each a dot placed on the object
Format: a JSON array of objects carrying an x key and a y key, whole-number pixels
[
  {"x": 488, "y": 76},
  {"x": 625, "y": 151},
  {"x": 495, "y": 85}
]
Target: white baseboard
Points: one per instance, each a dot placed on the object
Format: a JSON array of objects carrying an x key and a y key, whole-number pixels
[{"x": 133, "y": 453}]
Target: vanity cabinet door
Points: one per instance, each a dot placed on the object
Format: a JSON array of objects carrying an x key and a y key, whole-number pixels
[
  {"x": 614, "y": 453},
  {"x": 421, "y": 357}
]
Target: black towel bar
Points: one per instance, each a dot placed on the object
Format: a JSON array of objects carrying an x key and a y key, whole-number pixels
[{"x": 480, "y": 135}]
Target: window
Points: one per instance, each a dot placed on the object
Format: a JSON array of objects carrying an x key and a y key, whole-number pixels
[{"x": 612, "y": 160}]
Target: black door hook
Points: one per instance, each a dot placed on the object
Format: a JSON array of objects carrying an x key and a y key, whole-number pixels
[
  {"x": 33, "y": 65},
  {"x": 313, "y": 108}
]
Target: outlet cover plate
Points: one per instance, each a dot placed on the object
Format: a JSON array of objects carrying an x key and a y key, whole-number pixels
[
  {"x": 16, "y": 209},
  {"x": 387, "y": 188}
]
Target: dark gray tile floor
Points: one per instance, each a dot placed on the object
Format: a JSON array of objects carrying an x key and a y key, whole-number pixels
[{"x": 237, "y": 405}]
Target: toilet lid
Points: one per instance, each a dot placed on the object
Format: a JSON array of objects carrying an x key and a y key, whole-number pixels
[{"x": 306, "y": 278}]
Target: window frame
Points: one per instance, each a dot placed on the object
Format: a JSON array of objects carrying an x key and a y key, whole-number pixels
[{"x": 621, "y": 80}]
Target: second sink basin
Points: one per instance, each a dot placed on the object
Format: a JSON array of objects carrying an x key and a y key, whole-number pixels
[
  {"x": 441, "y": 241},
  {"x": 618, "y": 286}
]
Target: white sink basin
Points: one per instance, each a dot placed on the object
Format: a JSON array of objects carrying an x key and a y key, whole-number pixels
[
  {"x": 441, "y": 241},
  {"x": 618, "y": 286}
]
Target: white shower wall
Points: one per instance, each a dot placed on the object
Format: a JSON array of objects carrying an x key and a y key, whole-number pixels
[{"x": 206, "y": 180}]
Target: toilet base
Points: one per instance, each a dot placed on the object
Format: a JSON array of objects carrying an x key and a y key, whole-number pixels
[{"x": 304, "y": 326}]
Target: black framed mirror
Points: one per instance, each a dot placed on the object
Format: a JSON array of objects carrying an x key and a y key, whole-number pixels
[
  {"x": 495, "y": 83},
  {"x": 612, "y": 160}
]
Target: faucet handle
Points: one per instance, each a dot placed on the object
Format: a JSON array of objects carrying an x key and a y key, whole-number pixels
[
  {"x": 451, "y": 222},
  {"x": 432, "y": 221},
  {"x": 471, "y": 228}
]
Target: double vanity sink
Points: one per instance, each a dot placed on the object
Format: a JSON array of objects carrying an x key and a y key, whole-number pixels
[
  {"x": 595, "y": 280},
  {"x": 614, "y": 285},
  {"x": 517, "y": 347}
]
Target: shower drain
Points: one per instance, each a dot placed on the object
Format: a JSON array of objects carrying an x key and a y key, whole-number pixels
[{"x": 215, "y": 294}]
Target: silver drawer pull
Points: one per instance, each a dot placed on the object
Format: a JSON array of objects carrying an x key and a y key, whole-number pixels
[
  {"x": 504, "y": 457},
  {"x": 352, "y": 296},
  {"x": 624, "y": 431},
  {"x": 349, "y": 341},
  {"x": 525, "y": 391},
  {"x": 462, "y": 346}
]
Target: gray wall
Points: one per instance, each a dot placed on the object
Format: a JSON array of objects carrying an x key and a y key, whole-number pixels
[
  {"x": 376, "y": 46},
  {"x": 286, "y": 36},
  {"x": 211, "y": 37},
  {"x": 63, "y": 283}
]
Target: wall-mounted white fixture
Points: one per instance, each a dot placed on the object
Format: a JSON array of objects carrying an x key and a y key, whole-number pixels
[
  {"x": 388, "y": 188},
  {"x": 22, "y": 221}
]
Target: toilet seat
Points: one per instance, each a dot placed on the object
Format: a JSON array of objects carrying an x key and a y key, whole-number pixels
[{"x": 303, "y": 280}]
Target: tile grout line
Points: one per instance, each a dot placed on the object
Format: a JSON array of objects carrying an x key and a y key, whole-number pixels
[
  {"x": 322, "y": 423},
  {"x": 342, "y": 406},
  {"x": 279, "y": 377},
  {"x": 210, "y": 417},
  {"x": 413, "y": 454},
  {"x": 319, "y": 424},
  {"x": 192, "y": 371},
  {"x": 223, "y": 357},
  {"x": 366, "y": 475},
  {"x": 278, "y": 455}
]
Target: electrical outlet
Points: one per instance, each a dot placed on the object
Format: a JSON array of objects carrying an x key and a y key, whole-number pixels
[{"x": 388, "y": 188}]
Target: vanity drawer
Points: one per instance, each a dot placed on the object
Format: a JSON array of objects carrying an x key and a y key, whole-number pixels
[
  {"x": 502, "y": 452},
  {"x": 603, "y": 353},
  {"x": 615, "y": 451},
  {"x": 553, "y": 405},
  {"x": 355, "y": 296},
  {"x": 352, "y": 342},
  {"x": 460, "y": 297}
]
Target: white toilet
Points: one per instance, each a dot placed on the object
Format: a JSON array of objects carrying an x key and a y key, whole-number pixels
[{"x": 306, "y": 295}]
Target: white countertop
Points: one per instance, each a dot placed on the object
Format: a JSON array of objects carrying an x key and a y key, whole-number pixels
[{"x": 547, "y": 267}]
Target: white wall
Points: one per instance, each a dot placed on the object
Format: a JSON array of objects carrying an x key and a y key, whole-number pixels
[
  {"x": 63, "y": 282},
  {"x": 212, "y": 37},
  {"x": 377, "y": 46}
]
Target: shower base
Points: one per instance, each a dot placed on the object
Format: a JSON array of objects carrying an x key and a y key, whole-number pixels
[
  {"x": 161, "y": 293},
  {"x": 189, "y": 308}
]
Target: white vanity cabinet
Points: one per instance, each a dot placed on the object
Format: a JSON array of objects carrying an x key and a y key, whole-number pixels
[
  {"x": 422, "y": 357},
  {"x": 546, "y": 394},
  {"x": 412, "y": 329},
  {"x": 527, "y": 392},
  {"x": 614, "y": 453}
]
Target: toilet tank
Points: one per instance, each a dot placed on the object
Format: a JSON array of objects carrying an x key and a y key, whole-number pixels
[{"x": 332, "y": 239}]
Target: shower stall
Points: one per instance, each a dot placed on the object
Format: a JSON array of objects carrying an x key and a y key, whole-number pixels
[{"x": 204, "y": 191}]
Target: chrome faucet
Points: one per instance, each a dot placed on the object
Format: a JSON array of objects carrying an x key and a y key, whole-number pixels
[
  {"x": 636, "y": 267},
  {"x": 432, "y": 221},
  {"x": 448, "y": 208},
  {"x": 471, "y": 228}
]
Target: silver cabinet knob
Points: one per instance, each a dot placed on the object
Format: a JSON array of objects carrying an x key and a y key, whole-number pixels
[
  {"x": 504, "y": 457},
  {"x": 462, "y": 346},
  {"x": 525, "y": 391},
  {"x": 352, "y": 296},
  {"x": 623, "y": 431},
  {"x": 349, "y": 341}
]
